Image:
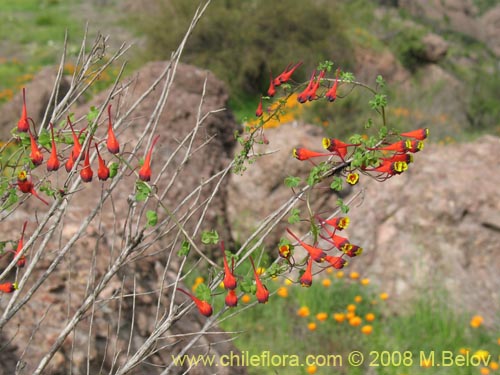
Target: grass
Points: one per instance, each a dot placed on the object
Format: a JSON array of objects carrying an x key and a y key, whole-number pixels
[{"x": 32, "y": 34}]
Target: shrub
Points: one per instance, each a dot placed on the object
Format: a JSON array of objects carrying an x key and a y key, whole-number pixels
[{"x": 241, "y": 41}]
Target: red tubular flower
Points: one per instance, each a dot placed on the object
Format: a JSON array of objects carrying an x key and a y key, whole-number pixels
[
  {"x": 259, "y": 111},
  {"x": 77, "y": 147},
  {"x": 21, "y": 262},
  {"x": 23, "y": 124},
  {"x": 336, "y": 262},
  {"x": 306, "y": 278},
  {"x": 86, "y": 173},
  {"x": 353, "y": 250},
  {"x": 390, "y": 168},
  {"x": 26, "y": 186},
  {"x": 8, "y": 287},
  {"x": 111, "y": 143},
  {"x": 311, "y": 95},
  {"x": 231, "y": 299},
  {"x": 339, "y": 223},
  {"x": 229, "y": 279},
  {"x": 400, "y": 146},
  {"x": 53, "y": 163},
  {"x": 145, "y": 171},
  {"x": 203, "y": 306},
  {"x": 339, "y": 242},
  {"x": 337, "y": 146},
  {"x": 262, "y": 293},
  {"x": 286, "y": 74},
  {"x": 271, "y": 90},
  {"x": 407, "y": 158},
  {"x": 416, "y": 146},
  {"x": 36, "y": 156},
  {"x": 331, "y": 94},
  {"x": 301, "y": 153},
  {"x": 316, "y": 253},
  {"x": 304, "y": 95},
  {"x": 103, "y": 170},
  {"x": 419, "y": 134}
]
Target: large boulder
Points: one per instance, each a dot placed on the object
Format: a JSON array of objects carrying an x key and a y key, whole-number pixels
[
  {"x": 458, "y": 15},
  {"x": 435, "y": 48},
  {"x": 436, "y": 227}
]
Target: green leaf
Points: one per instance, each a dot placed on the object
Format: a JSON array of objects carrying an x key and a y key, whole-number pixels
[
  {"x": 12, "y": 199},
  {"x": 347, "y": 77},
  {"x": 292, "y": 181},
  {"x": 382, "y": 133},
  {"x": 203, "y": 292},
  {"x": 325, "y": 65},
  {"x": 113, "y": 170},
  {"x": 47, "y": 189},
  {"x": 273, "y": 270},
  {"x": 294, "y": 216},
  {"x": 210, "y": 237},
  {"x": 369, "y": 123},
  {"x": 142, "y": 191},
  {"x": 380, "y": 81},
  {"x": 379, "y": 101},
  {"x": 356, "y": 138},
  {"x": 337, "y": 184},
  {"x": 343, "y": 207},
  {"x": 185, "y": 248},
  {"x": 247, "y": 286},
  {"x": 25, "y": 139},
  {"x": 92, "y": 114},
  {"x": 44, "y": 139},
  {"x": 152, "y": 218}
]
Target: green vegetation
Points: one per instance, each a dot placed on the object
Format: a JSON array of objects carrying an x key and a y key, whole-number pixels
[
  {"x": 241, "y": 41},
  {"x": 295, "y": 326}
]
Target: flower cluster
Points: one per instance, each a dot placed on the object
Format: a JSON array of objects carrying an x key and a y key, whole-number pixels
[
  {"x": 77, "y": 153},
  {"x": 349, "y": 315}
]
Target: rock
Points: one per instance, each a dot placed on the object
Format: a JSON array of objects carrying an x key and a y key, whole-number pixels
[
  {"x": 435, "y": 48},
  {"x": 490, "y": 29},
  {"x": 458, "y": 15},
  {"x": 370, "y": 63},
  {"x": 38, "y": 93},
  {"x": 431, "y": 228}
]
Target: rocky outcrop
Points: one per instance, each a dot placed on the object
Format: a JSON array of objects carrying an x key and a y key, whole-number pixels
[
  {"x": 490, "y": 29},
  {"x": 436, "y": 227},
  {"x": 435, "y": 48},
  {"x": 458, "y": 15}
]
